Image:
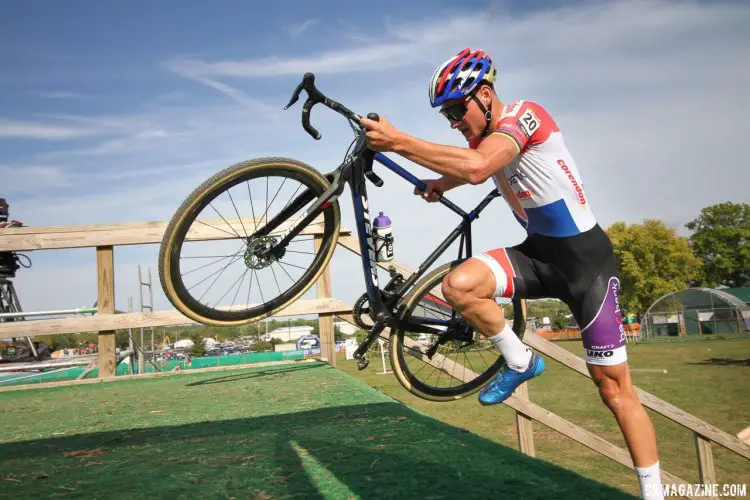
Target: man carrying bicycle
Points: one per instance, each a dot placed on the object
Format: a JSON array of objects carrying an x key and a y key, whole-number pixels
[{"x": 566, "y": 254}]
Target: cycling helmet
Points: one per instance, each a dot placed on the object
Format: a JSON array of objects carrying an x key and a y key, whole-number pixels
[{"x": 460, "y": 75}]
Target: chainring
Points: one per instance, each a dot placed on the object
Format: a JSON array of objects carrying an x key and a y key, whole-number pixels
[{"x": 361, "y": 313}]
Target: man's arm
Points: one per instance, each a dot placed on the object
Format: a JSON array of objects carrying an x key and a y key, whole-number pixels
[{"x": 473, "y": 166}]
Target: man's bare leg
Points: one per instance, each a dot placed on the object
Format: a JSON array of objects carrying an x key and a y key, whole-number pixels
[
  {"x": 470, "y": 289},
  {"x": 618, "y": 394}
]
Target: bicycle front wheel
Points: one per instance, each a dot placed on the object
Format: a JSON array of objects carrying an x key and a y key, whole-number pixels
[
  {"x": 456, "y": 368},
  {"x": 212, "y": 266}
]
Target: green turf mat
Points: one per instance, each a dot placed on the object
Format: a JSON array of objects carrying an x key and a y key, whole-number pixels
[{"x": 300, "y": 431}]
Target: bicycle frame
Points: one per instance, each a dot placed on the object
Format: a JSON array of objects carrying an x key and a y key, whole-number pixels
[{"x": 355, "y": 171}]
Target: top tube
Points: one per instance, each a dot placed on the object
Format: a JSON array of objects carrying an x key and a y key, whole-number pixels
[{"x": 405, "y": 174}]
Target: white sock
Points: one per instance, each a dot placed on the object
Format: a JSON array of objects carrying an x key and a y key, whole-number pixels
[
  {"x": 516, "y": 354},
  {"x": 650, "y": 481}
]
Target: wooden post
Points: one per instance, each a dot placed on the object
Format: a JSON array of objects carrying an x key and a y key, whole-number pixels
[
  {"x": 327, "y": 337},
  {"x": 705, "y": 460},
  {"x": 524, "y": 424},
  {"x": 105, "y": 273}
]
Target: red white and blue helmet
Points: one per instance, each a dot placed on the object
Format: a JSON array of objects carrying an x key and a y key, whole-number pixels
[{"x": 460, "y": 75}]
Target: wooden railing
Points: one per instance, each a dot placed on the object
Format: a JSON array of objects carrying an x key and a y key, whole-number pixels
[{"x": 105, "y": 237}]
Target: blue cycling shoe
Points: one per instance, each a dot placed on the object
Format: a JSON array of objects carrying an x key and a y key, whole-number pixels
[{"x": 508, "y": 379}]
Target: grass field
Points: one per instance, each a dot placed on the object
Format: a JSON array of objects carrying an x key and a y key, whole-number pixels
[
  {"x": 302, "y": 431},
  {"x": 311, "y": 431},
  {"x": 709, "y": 379}
]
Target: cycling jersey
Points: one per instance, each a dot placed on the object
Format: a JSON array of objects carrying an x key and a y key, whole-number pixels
[
  {"x": 542, "y": 184},
  {"x": 566, "y": 255}
]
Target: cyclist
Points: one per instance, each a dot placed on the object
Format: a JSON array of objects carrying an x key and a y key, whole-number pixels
[{"x": 566, "y": 254}]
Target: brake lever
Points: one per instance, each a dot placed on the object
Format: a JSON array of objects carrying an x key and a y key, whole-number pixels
[
  {"x": 295, "y": 96},
  {"x": 306, "y": 119},
  {"x": 374, "y": 178}
]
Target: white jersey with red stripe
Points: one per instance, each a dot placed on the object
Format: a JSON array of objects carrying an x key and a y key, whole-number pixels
[{"x": 542, "y": 184}]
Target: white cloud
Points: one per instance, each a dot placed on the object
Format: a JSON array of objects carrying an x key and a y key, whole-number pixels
[
  {"x": 32, "y": 178},
  {"x": 43, "y": 131},
  {"x": 297, "y": 29},
  {"x": 60, "y": 94}
]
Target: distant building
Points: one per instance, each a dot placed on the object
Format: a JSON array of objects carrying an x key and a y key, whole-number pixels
[
  {"x": 345, "y": 327},
  {"x": 290, "y": 333}
]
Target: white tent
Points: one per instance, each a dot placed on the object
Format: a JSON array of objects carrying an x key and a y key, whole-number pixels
[{"x": 183, "y": 344}]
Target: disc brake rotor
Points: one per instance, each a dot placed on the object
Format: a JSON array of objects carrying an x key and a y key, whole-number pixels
[{"x": 257, "y": 255}]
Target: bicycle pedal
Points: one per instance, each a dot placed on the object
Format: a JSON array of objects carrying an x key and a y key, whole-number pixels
[{"x": 362, "y": 362}]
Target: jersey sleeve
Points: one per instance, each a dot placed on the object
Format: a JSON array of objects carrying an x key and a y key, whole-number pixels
[{"x": 526, "y": 123}]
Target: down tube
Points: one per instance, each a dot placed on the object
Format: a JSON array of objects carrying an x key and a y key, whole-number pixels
[{"x": 366, "y": 244}]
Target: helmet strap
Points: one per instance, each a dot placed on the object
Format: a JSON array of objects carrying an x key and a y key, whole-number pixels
[{"x": 487, "y": 114}]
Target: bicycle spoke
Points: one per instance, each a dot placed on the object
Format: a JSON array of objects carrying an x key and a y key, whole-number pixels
[
  {"x": 212, "y": 274},
  {"x": 296, "y": 251},
  {"x": 222, "y": 218},
  {"x": 208, "y": 257},
  {"x": 257, "y": 280},
  {"x": 249, "y": 287},
  {"x": 274, "y": 278},
  {"x": 216, "y": 279},
  {"x": 238, "y": 213},
  {"x": 238, "y": 289},
  {"x": 291, "y": 199},
  {"x": 230, "y": 288},
  {"x": 287, "y": 273},
  {"x": 255, "y": 221},
  {"x": 293, "y": 265},
  {"x": 274, "y": 197},
  {"x": 209, "y": 264},
  {"x": 217, "y": 228}
]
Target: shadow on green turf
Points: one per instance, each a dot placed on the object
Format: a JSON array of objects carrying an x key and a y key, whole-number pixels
[
  {"x": 383, "y": 450},
  {"x": 270, "y": 372},
  {"x": 723, "y": 362}
]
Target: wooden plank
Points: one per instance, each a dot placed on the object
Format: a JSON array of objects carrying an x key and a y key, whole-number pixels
[
  {"x": 65, "y": 383},
  {"x": 524, "y": 425},
  {"x": 47, "y": 238},
  {"x": 705, "y": 460},
  {"x": 352, "y": 244},
  {"x": 146, "y": 319},
  {"x": 648, "y": 400},
  {"x": 105, "y": 273},
  {"x": 325, "y": 321}
]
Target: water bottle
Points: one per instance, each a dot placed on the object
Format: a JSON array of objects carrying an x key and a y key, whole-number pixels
[{"x": 383, "y": 238}]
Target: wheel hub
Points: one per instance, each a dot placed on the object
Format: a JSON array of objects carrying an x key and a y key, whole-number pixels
[{"x": 257, "y": 253}]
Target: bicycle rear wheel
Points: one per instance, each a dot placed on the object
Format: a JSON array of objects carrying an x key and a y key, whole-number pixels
[
  {"x": 457, "y": 368},
  {"x": 228, "y": 279}
]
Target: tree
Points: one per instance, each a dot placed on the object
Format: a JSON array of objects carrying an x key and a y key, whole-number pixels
[
  {"x": 199, "y": 347},
  {"x": 652, "y": 261},
  {"x": 561, "y": 322},
  {"x": 262, "y": 345},
  {"x": 720, "y": 238},
  {"x": 338, "y": 335}
]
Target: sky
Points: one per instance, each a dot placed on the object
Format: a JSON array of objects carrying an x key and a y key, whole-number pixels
[{"x": 115, "y": 111}]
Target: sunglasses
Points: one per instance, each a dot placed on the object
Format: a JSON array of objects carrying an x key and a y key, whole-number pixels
[{"x": 456, "y": 112}]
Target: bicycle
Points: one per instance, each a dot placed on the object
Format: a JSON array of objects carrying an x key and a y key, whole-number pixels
[{"x": 423, "y": 326}]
